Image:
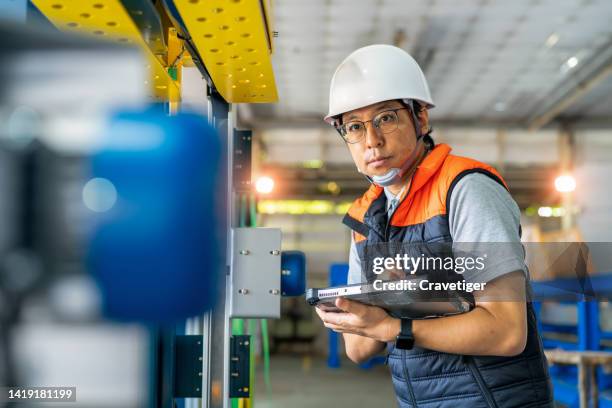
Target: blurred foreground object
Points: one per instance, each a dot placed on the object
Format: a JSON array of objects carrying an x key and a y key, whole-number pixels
[
  {"x": 108, "y": 210},
  {"x": 154, "y": 246}
]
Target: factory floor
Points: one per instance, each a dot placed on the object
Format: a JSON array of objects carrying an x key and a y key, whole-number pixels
[{"x": 307, "y": 382}]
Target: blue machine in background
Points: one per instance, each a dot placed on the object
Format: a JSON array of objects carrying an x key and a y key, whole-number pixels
[
  {"x": 293, "y": 273},
  {"x": 154, "y": 249}
]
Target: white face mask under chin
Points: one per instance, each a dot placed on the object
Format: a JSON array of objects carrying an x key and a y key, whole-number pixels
[
  {"x": 388, "y": 179},
  {"x": 394, "y": 175}
]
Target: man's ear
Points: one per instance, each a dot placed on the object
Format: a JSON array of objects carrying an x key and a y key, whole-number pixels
[{"x": 423, "y": 116}]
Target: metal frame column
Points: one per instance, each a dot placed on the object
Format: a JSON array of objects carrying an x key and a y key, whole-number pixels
[{"x": 216, "y": 327}]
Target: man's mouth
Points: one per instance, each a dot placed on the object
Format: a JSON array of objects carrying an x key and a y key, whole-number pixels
[{"x": 379, "y": 161}]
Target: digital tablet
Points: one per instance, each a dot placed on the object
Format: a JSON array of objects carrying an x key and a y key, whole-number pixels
[{"x": 415, "y": 304}]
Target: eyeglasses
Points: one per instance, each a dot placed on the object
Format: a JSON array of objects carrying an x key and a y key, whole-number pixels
[{"x": 355, "y": 130}]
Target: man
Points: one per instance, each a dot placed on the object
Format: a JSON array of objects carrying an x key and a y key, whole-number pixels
[{"x": 420, "y": 193}]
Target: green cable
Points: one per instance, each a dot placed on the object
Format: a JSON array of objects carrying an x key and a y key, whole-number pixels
[
  {"x": 253, "y": 210},
  {"x": 252, "y": 324},
  {"x": 238, "y": 324},
  {"x": 265, "y": 340},
  {"x": 242, "y": 222},
  {"x": 237, "y": 328},
  {"x": 266, "y": 354}
]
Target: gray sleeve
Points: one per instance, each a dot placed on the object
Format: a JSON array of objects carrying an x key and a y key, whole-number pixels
[
  {"x": 354, "y": 263},
  {"x": 482, "y": 211}
]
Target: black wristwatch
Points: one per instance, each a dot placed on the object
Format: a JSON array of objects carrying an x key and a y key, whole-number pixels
[{"x": 405, "y": 338}]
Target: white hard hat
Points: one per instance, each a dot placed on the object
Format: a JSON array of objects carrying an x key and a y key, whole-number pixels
[{"x": 373, "y": 74}]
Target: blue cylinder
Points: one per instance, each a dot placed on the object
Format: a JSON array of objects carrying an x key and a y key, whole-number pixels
[
  {"x": 155, "y": 250},
  {"x": 293, "y": 273}
]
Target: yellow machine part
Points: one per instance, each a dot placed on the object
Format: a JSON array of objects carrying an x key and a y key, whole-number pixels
[
  {"x": 108, "y": 19},
  {"x": 232, "y": 38}
]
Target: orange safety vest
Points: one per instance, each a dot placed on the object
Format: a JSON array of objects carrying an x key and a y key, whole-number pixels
[{"x": 428, "y": 195}]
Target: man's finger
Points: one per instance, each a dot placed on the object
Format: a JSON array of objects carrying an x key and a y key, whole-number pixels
[
  {"x": 351, "y": 306},
  {"x": 335, "y": 318},
  {"x": 336, "y": 328},
  {"x": 321, "y": 313},
  {"x": 341, "y": 329}
]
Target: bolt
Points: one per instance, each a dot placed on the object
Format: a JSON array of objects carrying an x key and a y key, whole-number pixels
[
  {"x": 286, "y": 272},
  {"x": 244, "y": 252},
  {"x": 243, "y": 291},
  {"x": 274, "y": 291},
  {"x": 275, "y": 252}
]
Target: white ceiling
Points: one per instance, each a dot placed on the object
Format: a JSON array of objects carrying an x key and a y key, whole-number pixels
[{"x": 494, "y": 60}]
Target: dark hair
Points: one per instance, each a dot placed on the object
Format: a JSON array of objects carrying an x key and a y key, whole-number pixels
[{"x": 427, "y": 138}]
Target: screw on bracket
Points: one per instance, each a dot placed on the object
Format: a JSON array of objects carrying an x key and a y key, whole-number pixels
[
  {"x": 243, "y": 291},
  {"x": 275, "y": 252},
  {"x": 274, "y": 291}
]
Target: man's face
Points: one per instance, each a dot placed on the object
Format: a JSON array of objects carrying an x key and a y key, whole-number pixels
[{"x": 378, "y": 152}]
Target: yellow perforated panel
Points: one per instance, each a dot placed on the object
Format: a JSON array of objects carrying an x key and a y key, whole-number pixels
[
  {"x": 109, "y": 19},
  {"x": 232, "y": 39}
]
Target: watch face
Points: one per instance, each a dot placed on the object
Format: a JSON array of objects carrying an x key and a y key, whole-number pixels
[{"x": 404, "y": 343}]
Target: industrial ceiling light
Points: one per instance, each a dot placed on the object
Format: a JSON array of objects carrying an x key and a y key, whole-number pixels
[
  {"x": 565, "y": 183},
  {"x": 572, "y": 62},
  {"x": 552, "y": 40},
  {"x": 545, "y": 212},
  {"x": 264, "y": 185}
]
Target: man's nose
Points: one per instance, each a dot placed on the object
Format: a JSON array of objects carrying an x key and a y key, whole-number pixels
[{"x": 373, "y": 137}]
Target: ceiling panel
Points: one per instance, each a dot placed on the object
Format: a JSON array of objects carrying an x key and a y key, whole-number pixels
[{"x": 502, "y": 57}]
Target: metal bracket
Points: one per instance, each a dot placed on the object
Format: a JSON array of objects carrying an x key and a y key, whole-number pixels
[
  {"x": 255, "y": 273},
  {"x": 242, "y": 160},
  {"x": 188, "y": 365},
  {"x": 240, "y": 350}
]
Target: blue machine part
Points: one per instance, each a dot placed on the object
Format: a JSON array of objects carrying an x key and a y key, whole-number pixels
[
  {"x": 155, "y": 249},
  {"x": 293, "y": 275},
  {"x": 338, "y": 275}
]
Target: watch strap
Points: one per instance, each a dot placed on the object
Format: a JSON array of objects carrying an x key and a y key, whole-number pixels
[{"x": 406, "y": 327}]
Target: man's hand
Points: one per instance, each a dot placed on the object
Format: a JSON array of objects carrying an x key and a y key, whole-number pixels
[{"x": 368, "y": 321}]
